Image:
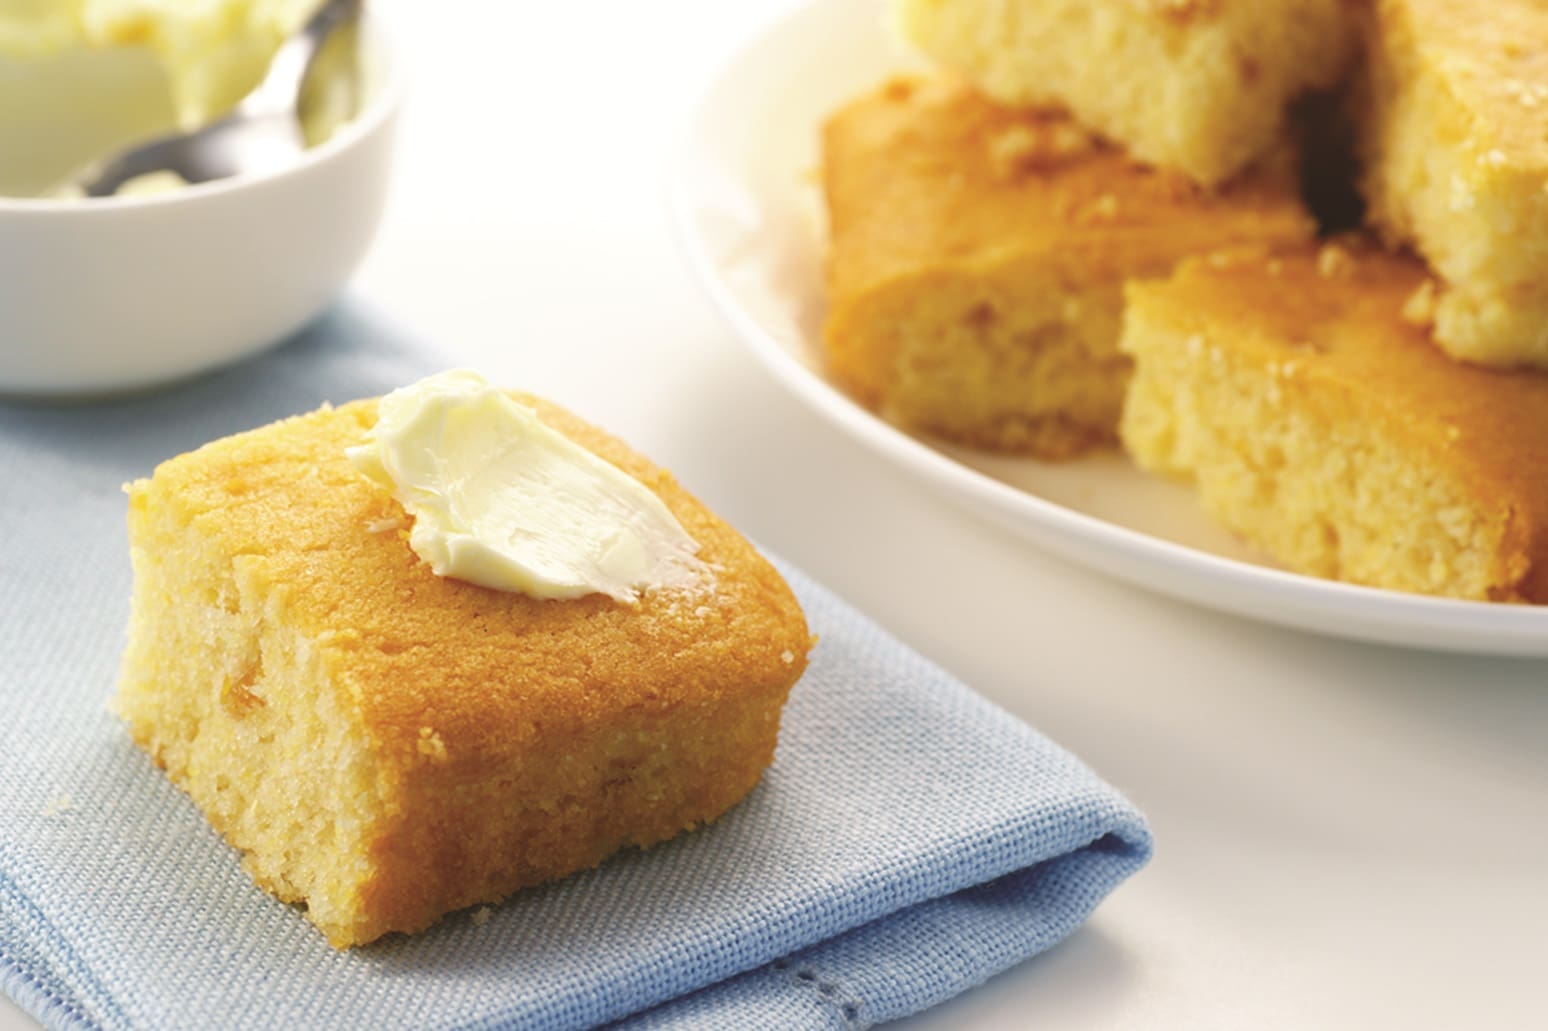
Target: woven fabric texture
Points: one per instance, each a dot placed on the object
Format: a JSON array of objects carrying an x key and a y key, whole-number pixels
[{"x": 910, "y": 840}]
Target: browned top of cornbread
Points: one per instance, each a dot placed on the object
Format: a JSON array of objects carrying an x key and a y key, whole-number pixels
[
  {"x": 445, "y": 671},
  {"x": 1345, "y": 323},
  {"x": 926, "y": 173},
  {"x": 1493, "y": 61}
]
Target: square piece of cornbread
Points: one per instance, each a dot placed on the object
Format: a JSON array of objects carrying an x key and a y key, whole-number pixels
[
  {"x": 387, "y": 745},
  {"x": 977, "y": 256},
  {"x": 1453, "y": 109},
  {"x": 1200, "y": 86},
  {"x": 1318, "y": 421}
]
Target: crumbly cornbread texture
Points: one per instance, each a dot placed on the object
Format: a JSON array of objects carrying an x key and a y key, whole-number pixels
[
  {"x": 387, "y": 745},
  {"x": 977, "y": 258},
  {"x": 1303, "y": 396},
  {"x": 1200, "y": 86},
  {"x": 1453, "y": 109}
]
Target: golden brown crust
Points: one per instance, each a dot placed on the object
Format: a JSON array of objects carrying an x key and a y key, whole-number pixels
[{"x": 916, "y": 179}]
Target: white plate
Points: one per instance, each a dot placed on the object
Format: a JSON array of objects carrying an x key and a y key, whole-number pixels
[{"x": 744, "y": 205}]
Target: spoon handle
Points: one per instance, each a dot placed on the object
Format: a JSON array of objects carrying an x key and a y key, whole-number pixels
[{"x": 280, "y": 90}]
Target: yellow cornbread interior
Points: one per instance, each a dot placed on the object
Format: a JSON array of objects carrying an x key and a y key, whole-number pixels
[
  {"x": 977, "y": 256},
  {"x": 389, "y": 745},
  {"x": 1317, "y": 421},
  {"x": 1199, "y": 86},
  {"x": 1453, "y": 107},
  {"x": 1008, "y": 360},
  {"x": 227, "y": 697}
]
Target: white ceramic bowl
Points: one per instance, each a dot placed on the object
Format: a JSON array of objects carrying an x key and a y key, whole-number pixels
[{"x": 122, "y": 293}]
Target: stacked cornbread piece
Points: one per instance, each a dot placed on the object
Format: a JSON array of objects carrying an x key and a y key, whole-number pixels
[{"x": 1089, "y": 225}]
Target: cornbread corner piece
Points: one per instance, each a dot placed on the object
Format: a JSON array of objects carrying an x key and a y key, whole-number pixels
[
  {"x": 977, "y": 257},
  {"x": 1452, "y": 108},
  {"x": 1199, "y": 86},
  {"x": 1302, "y": 396},
  {"x": 387, "y": 745}
]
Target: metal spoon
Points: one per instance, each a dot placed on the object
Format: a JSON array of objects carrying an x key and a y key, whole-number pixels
[{"x": 263, "y": 132}]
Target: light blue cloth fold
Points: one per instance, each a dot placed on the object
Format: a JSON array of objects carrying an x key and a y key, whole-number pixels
[{"x": 909, "y": 841}]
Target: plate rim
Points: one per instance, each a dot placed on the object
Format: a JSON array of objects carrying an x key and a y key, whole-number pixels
[{"x": 1323, "y": 607}]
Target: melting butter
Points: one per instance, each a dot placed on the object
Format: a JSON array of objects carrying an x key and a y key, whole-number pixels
[{"x": 501, "y": 500}]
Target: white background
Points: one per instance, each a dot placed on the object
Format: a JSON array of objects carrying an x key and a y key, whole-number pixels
[{"x": 1348, "y": 836}]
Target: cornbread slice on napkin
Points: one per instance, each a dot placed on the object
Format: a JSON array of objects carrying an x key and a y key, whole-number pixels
[
  {"x": 1453, "y": 106},
  {"x": 1303, "y": 397},
  {"x": 977, "y": 259},
  {"x": 388, "y": 745},
  {"x": 1200, "y": 86}
]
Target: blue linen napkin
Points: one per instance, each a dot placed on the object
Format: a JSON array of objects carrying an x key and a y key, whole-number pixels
[{"x": 909, "y": 841}]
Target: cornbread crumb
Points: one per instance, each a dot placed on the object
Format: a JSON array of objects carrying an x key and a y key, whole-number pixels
[
  {"x": 387, "y": 745},
  {"x": 430, "y": 744},
  {"x": 1455, "y": 161},
  {"x": 481, "y": 916},
  {"x": 1333, "y": 261},
  {"x": 1029, "y": 146},
  {"x": 1103, "y": 209},
  {"x": 1529, "y": 95},
  {"x": 984, "y": 307},
  {"x": 1013, "y": 150},
  {"x": 1197, "y": 86},
  {"x": 1233, "y": 256},
  {"x": 1186, "y": 10},
  {"x": 1419, "y": 308},
  {"x": 1067, "y": 140},
  {"x": 59, "y": 806},
  {"x": 1368, "y": 456}
]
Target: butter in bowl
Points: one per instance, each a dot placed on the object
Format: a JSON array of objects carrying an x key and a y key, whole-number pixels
[{"x": 166, "y": 278}]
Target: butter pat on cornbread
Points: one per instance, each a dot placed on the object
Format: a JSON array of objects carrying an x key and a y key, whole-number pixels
[
  {"x": 1303, "y": 397},
  {"x": 1454, "y": 131},
  {"x": 501, "y": 499},
  {"x": 387, "y": 745},
  {"x": 1200, "y": 86},
  {"x": 977, "y": 257}
]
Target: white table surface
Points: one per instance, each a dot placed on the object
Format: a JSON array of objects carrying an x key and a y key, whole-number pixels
[{"x": 1348, "y": 836}]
